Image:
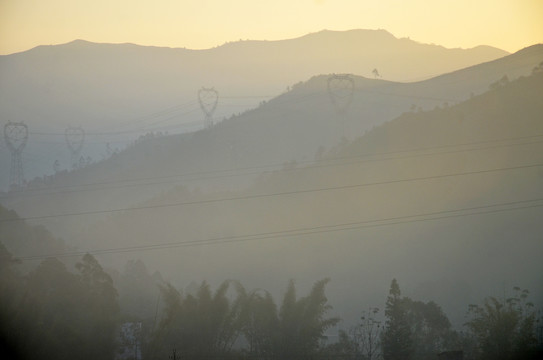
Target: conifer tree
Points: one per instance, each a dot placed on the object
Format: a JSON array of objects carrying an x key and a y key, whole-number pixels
[{"x": 397, "y": 339}]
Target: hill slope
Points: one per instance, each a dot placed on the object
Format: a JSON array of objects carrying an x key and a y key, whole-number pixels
[
  {"x": 299, "y": 126},
  {"x": 127, "y": 90}
]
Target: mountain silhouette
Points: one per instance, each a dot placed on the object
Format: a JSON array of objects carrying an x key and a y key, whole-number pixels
[
  {"x": 137, "y": 89},
  {"x": 295, "y": 127}
]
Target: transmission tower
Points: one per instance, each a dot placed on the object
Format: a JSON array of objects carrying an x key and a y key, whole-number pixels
[
  {"x": 208, "y": 99},
  {"x": 341, "y": 90},
  {"x": 75, "y": 137},
  {"x": 16, "y": 136}
]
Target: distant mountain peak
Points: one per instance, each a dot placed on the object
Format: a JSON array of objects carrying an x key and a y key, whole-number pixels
[
  {"x": 359, "y": 31},
  {"x": 373, "y": 33},
  {"x": 79, "y": 41}
]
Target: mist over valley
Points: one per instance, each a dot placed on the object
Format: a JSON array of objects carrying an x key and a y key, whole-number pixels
[{"x": 321, "y": 168}]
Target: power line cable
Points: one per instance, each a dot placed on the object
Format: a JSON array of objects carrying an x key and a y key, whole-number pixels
[
  {"x": 338, "y": 161},
  {"x": 276, "y": 101},
  {"x": 418, "y": 97},
  {"x": 162, "y": 182},
  {"x": 388, "y": 221},
  {"x": 150, "y": 117},
  {"x": 293, "y": 192}
]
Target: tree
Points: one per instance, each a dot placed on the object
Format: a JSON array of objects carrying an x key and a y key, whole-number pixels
[
  {"x": 54, "y": 311},
  {"x": 538, "y": 68},
  {"x": 504, "y": 330},
  {"x": 101, "y": 308},
  {"x": 138, "y": 291},
  {"x": 11, "y": 291},
  {"x": 370, "y": 334},
  {"x": 415, "y": 329},
  {"x": 206, "y": 325},
  {"x": 362, "y": 341},
  {"x": 261, "y": 323},
  {"x": 397, "y": 338},
  {"x": 430, "y": 328},
  {"x": 302, "y": 322},
  {"x": 202, "y": 325},
  {"x": 500, "y": 83},
  {"x": 61, "y": 315}
]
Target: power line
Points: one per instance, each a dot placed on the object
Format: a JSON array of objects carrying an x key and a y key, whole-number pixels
[
  {"x": 121, "y": 132},
  {"x": 418, "y": 97},
  {"x": 275, "y": 97},
  {"x": 247, "y": 96},
  {"x": 293, "y": 192},
  {"x": 389, "y": 221},
  {"x": 158, "y": 113},
  {"x": 157, "y": 180},
  {"x": 135, "y": 120},
  {"x": 151, "y": 116},
  {"x": 276, "y": 101},
  {"x": 209, "y": 175}
]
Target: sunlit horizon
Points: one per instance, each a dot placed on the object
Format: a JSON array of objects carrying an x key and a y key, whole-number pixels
[{"x": 190, "y": 24}]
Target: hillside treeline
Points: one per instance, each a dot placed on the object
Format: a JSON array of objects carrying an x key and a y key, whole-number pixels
[{"x": 54, "y": 313}]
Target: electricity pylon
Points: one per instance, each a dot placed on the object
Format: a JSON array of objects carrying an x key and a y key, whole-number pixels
[
  {"x": 208, "y": 99},
  {"x": 341, "y": 90},
  {"x": 16, "y": 136},
  {"x": 75, "y": 138}
]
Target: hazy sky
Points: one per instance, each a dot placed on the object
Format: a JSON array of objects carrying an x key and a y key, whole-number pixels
[{"x": 507, "y": 24}]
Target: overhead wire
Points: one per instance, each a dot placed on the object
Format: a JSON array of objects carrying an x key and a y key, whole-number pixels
[
  {"x": 327, "y": 228},
  {"x": 135, "y": 120},
  {"x": 313, "y": 230},
  {"x": 277, "y": 101},
  {"x": 147, "y": 117},
  {"x": 268, "y": 195},
  {"x": 192, "y": 102},
  {"x": 148, "y": 127},
  {"x": 214, "y": 174}
]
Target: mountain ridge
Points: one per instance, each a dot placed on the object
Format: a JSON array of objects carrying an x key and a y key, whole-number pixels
[
  {"x": 293, "y": 127},
  {"x": 103, "y": 87},
  {"x": 384, "y": 35}
]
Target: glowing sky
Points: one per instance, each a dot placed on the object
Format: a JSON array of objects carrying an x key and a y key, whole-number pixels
[{"x": 197, "y": 24}]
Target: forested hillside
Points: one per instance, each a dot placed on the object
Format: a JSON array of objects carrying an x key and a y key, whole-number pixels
[{"x": 462, "y": 183}]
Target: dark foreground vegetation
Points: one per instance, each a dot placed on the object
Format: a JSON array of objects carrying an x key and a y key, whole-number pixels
[{"x": 52, "y": 313}]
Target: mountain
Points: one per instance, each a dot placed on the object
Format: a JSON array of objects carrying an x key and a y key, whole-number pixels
[
  {"x": 299, "y": 126},
  {"x": 119, "y": 92}
]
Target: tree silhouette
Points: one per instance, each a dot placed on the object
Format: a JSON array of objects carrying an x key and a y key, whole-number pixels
[
  {"x": 504, "y": 330},
  {"x": 52, "y": 313},
  {"x": 261, "y": 323},
  {"x": 302, "y": 322},
  {"x": 201, "y": 325},
  {"x": 362, "y": 341},
  {"x": 397, "y": 338},
  {"x": 431, "y": 331},
  {"x": 206, "y": 325},
  {"x": 102, "y": 308}
]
